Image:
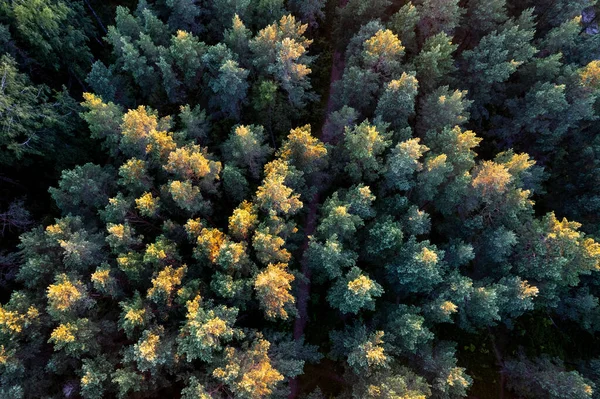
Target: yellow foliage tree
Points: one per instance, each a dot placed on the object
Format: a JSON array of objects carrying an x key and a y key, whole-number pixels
[
  {"x": 273, "y": 286},
  {"x": 243, "y": 221},
  {"x": 249, "y": 373}
]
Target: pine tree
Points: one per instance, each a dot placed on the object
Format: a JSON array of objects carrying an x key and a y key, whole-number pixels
[
  {"x": 438, "y": 16},
  {"x": 310, "y": 12},
  {"x": 56, "y": 34},
  {"x": 546, "y": 377},
  {"x": 32, "y": 122},
  {"x": 403, "y": 23},
  {"x": 279, "y": 53},
  {"x": 246, "y": 149},
  {"x": 355, "y": 14}
]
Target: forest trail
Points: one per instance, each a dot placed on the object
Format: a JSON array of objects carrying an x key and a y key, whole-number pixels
[
  {"x": 303, "y": 294},
  {"x": 337, "y": 69}
]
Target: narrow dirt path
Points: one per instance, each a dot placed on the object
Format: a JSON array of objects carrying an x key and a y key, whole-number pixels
[
  {"x": 337, "y": 70},
  {"x": 303, "y": 294},
  {"x": 304, "y": 284},
  {"x": 500, "y": 363}
]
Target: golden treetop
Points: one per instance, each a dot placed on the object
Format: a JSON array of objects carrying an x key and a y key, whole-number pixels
[
  {"x": 167, "y": 281},
  {"x": 64, "y": 294},
  {"x": 273, "y": 286},
  {"x": 242, "y": 221},
  {"x": 491, "y": 178},
  {"x": 147, "y": 204}
]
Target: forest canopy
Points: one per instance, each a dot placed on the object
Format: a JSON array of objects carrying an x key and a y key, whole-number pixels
[{"x": 310, "y": 199}]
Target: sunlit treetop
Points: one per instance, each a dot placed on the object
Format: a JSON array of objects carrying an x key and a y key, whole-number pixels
[{"x": 273, "y": 287}]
